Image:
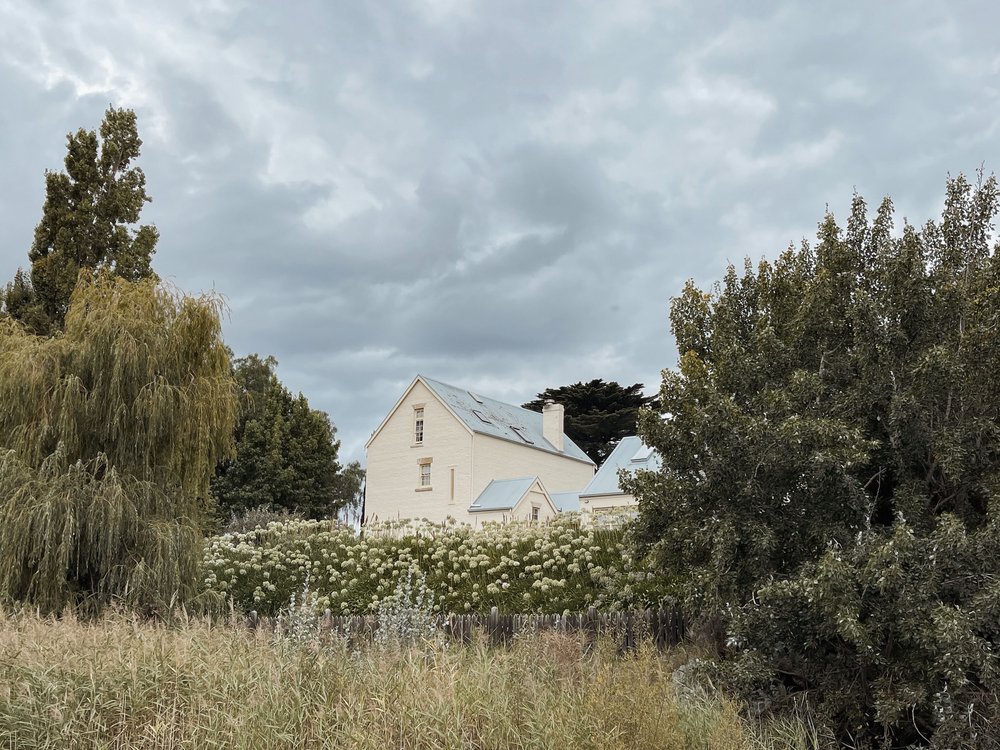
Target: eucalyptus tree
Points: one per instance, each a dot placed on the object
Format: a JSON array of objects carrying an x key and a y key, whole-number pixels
[
  {"x": 835, "y": 389},
  {"x": 109, "y": 436},
  {"x": 831, "y": 466}
]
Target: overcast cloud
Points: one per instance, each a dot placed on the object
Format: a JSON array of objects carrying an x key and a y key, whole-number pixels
[{"x": 501, "y": 195}]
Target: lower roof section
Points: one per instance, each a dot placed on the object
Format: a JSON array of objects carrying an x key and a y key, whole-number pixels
[{"x": 503, "y": 494}]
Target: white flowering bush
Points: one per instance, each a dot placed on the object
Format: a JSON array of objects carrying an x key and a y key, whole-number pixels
[{"x": 551, "y": 568}]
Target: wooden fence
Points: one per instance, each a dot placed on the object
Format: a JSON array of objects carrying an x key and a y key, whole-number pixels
[{"x": 664, "y": 627}]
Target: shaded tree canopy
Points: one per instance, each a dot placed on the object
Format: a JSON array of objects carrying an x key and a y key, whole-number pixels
[
  {"x": 598, "y": 414},
  {"x": 831, "y": 463},
  {"x": 834, "y": 389},
  {"x": 286, "y": 454},
  {"x": 109, "y": 437},
  {"x": 88, "y": 222}
]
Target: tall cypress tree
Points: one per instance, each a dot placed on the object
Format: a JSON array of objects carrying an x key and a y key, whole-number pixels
[{"x": 598, "y": 413}]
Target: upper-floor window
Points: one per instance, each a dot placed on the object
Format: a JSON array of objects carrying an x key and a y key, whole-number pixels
[
  {"x": 534, "y": 512},
  {"x": 425, "y": 474},
  {"x": 418, "y": 424}
]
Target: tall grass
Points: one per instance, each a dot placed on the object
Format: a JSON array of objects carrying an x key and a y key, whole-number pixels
[{"x": 119, "y": 683}]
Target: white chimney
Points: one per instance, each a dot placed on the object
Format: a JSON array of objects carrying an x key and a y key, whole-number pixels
[{"x": 552, "y": 424}]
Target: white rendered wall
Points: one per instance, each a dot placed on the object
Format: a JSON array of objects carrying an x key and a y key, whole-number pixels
[
  {"x": 393, "y": 470},
  {"x": 597, "y": 503},
  {"x": 393, "y": 467},
  {"x": 494, "y": 458}
]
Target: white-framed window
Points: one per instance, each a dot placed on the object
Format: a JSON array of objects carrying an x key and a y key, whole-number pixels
[
  {"x": 425, "y": 474},
  {"x": 418, "y": 425},
  {"x": 534, "y": 512}
]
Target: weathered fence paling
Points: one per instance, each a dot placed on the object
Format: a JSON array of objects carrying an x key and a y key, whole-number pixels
[{"x": 664, "y": 626}]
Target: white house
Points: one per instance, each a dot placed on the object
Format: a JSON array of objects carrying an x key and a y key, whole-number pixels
[
  {"x": 603, "y": 493},
  {"x": 444, "y": 451}
]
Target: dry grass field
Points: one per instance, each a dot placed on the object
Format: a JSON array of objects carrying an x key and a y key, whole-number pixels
[{"x": 123, "y": 683}]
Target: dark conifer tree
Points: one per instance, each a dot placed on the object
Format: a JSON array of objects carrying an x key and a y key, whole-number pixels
[{"x": 598, "y": 414}]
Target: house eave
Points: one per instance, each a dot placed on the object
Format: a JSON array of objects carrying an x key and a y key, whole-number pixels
[{"x": 535, "y": 446}]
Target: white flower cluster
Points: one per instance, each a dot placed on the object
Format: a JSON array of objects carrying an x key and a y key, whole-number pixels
[{"x": 553, "y": 568}]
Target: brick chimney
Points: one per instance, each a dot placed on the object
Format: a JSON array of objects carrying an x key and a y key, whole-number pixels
[{"x": 552, "y": 424}]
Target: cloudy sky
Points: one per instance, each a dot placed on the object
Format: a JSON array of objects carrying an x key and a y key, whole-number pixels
[{"x": 502, "y": 195}]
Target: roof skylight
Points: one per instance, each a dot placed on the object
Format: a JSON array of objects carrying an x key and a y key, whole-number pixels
[
  {"x": 482, "y": 417},
  {"x": 519, "y": 431},
  {"x": 642, "y": 454}
]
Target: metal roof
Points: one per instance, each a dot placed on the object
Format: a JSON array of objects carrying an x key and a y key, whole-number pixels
[
  {"x": 499, "y": 420},
  {"x": 502, "y": 494},
  {"x": 566, "y": 502},
  {"x": 630, "y": 454}
]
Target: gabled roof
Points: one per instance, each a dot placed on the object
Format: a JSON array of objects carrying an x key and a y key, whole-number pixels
[
  {"x": 505, "y": 494},
  {"x": 487, "y": 416},
  {"x": 502, "y": 494},
  {"x": 630, "y": 454}
]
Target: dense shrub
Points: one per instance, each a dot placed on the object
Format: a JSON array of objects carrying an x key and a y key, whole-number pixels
[
  {"x": 514, "y": 567},
  {"x": 826, "y": 393},
  {"x": 897, "y": 636},
  {"x": 831, "y": 444},
  {"x": 258, "y": 518}
]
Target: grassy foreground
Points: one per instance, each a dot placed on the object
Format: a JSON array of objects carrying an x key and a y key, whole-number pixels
[{"x": 123, "y": 684}]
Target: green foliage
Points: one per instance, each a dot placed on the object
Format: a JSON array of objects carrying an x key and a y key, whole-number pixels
[
  {"x": 286, "y": 455},
  {"x": 109, "y": 435},
  {"x": 831, "y": 440},
  {"x": 514, "y": 567},
  {"x": 597, "y": 414},
  {"x": 19, "y": 301},
  {"x": 824, "y": 394},
  {"x": 87, "y": 223},
  {"x": 258, "y": 518},
  {"x": 894, "y": 637}
]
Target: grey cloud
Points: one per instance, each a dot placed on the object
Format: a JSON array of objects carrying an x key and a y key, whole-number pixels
[{"x": 501, "y": 195}]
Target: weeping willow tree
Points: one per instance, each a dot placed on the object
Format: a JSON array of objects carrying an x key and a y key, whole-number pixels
[{"x": 109, "y": 435}]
